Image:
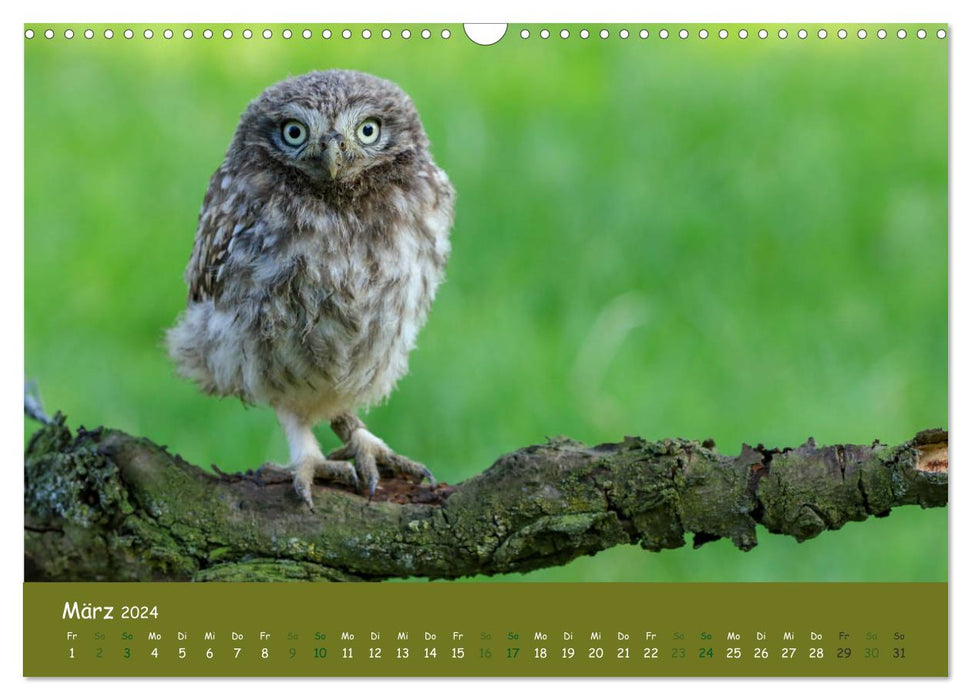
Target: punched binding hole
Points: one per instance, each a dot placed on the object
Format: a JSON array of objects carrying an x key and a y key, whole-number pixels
[{"x": 487, "y": 34}]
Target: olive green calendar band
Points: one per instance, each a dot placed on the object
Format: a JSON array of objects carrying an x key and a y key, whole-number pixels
[{"x": 485, "y": 629}]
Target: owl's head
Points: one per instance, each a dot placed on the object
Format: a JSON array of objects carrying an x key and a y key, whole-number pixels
[{"x": 331, "y": 126}]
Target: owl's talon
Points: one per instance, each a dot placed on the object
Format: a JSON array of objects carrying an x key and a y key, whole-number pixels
[
  {"x": 302, "y": 485},
  {"x": 432, "y": 481},
  {"x": 397, "y": 464},
  {"x": 366, "y": 466}
]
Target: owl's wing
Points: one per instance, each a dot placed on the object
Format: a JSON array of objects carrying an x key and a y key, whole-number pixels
[{"x": 223, "y": 217}]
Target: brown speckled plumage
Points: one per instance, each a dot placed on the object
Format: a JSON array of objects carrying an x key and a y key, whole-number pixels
[{"x": 316, "y": 259}]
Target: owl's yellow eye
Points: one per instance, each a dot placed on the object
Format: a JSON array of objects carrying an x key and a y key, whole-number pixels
[
  {"x": 294, "y": 133},
  {"x": 368, "y": 131}
]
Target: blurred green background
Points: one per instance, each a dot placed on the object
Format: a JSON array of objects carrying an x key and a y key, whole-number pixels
[{"x": 737, "y": 239}]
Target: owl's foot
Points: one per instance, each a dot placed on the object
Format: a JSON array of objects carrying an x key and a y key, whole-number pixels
[
  {"x": 306, "y": 461},
  {"x": 304, "y": 472},
  {"x": 373, "y": 458}
]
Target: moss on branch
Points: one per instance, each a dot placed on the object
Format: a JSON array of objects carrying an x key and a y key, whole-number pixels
[{"x": 103, "y": 505}]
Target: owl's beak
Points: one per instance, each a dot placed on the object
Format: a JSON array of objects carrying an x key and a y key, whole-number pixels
[
  {"x": 333, "y": 157},
  {"x": 333, "y": 145}
]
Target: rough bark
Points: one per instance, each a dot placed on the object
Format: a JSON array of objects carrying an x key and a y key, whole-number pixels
[{"x": 103, "y": 505}]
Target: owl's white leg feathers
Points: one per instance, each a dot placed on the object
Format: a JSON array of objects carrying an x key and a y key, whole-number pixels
[
  {"x": 306, "y": 459},
  {"x": 371, "y": 454}
]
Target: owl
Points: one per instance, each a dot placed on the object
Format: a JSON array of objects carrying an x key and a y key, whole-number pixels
[{"x": 322, "y": 240}]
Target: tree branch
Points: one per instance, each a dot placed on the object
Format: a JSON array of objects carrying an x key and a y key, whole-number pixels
[{"x": 103, "y": 505}]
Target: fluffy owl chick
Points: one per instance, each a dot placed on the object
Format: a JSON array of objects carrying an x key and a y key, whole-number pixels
[{"x": 321, "y": 241}]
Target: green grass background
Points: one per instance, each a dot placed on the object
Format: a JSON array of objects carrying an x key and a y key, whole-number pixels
[{"x": 737, "y": 239}]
